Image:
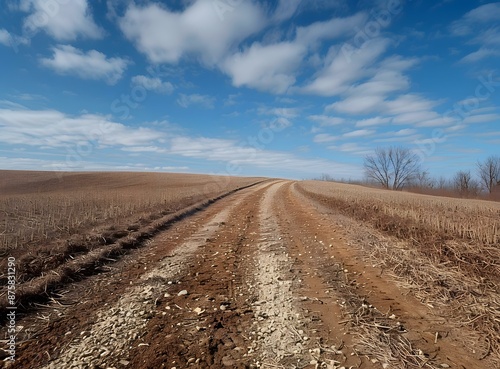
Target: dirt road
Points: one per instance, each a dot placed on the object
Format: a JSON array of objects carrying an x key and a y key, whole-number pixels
[{"x": 264, "y": 278}]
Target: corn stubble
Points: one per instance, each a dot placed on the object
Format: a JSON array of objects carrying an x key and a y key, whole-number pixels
[
  {"x": 444, "y": 251},
  {"x": 37, "y": 212},
  {"x": 48, "y": 219}
]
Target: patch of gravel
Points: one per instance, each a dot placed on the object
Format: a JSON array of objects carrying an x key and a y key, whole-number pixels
[
  {"x": 278, "y": 325},
  {"x": 108, "y": 342}
]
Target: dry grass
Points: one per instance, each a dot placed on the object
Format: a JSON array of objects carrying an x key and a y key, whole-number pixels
[
  {"x": 477, "y": 220},
  {"x": 41, "y": 207},
  {"x": 445, "y": 251},
  {"x": 47, "y": 221},
  {"x": 431, "y": 223},
  {"x": 379, "y": 337}
]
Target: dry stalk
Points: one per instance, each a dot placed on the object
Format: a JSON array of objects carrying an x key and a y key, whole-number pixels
[{"x": 454, "y": 272}]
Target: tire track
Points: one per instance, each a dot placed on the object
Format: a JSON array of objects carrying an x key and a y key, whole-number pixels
[
  {"x": 210, "y": 327},
  {"x": 321, "y": 276},
  {"x": 116, "y": 326},
  {"x": 274, "y": 289}
]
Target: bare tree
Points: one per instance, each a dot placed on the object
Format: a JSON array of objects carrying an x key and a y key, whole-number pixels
[
  {"x": 465, "y": 184},
  {"x": 443, "y": 183},
  {"x": 422, "y": 179},
  {"x": 393, "y": 167},
  {"x": 489, "y": 172}
]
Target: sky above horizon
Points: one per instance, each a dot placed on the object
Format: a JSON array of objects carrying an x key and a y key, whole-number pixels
[{"x": 285, "y": 88}]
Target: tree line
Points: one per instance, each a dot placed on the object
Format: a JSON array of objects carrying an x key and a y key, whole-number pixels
[{"x": 396, "y": 168}]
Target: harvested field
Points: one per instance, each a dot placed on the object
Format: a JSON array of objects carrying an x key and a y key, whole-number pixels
[
  {"x": 255, "y": 274},
  {"x": 58, "y": 225},
  {"x": 40, "y": 207},
  {"x": 445, "y": 251}
]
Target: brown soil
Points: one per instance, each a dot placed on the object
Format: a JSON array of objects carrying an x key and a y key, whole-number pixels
[{"x": 263, "y": 278}]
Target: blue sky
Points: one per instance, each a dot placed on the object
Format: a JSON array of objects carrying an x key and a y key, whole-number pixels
[{"x": 274, "y": 88}]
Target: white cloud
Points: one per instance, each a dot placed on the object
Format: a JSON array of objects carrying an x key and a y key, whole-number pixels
[
  {"x": 196, "y": 99},
  {"x": 437, "y": 122},
  {"x": 285, "y": 9},
  {"x": 165, "y": 36},
  {"x": 5, "y": 37},
  {"x": 405, "y": 132},
  {"x": 367, "y": 84},
  {"x": 288, "y": 113},
  {"x": 273, "y": 67},
  {"x": 80, "y": 165},
  {"x": 412, "y": 109},
  {"x": 175, "y": 169},
  {"x": 408, "y": 109},
  {"x": 286, "y": 100},
  {"x": 415, "y": 117},
  {"x": 325, "y": 120},
  {"x": 30, "y": 164},
  {"x": 324, "y": 137},
  {"x": 489, "y": 37},
  {"x": 341, "y": 72},
  {"x": 8, "y": 39},
  {"x": 245, "y": 155},
  {"x": 30, "y": 97},
  {"x": 10, "y": 104},
  {"x": 487, "y": 13},
  {"x": 68, "y": 60},
  {"x": 351, "y": 147},
  {"x": 409, "y": 103},
  {"x": 479, "y": 55},
  {"x": 155, "y": 149},
  {"x": 374, "y": 90},
  {"x": 387, "y": 78},
  {"x": 486, "y": 109},
  {"x": 216, "y": 149},
  {"x": 400, "y": 139},
  {"x": 62, "y": 135},
  {"x": 231, "y": 99},
  {"x": 480, "y": 25},
  {"x": 63, "y": 20},
  {"x": 403, "y": 135},
  {"x": 269, "y": 68},
  {"x": 368, "y": 97},
  {"x": 482, "y": 118},
  {"x": 333, "y": 28},
  {"x": 280, "y": 123},
  {"x": 359, "y": 133},
  {"x": 51, "y": 128},
  {"x": 375, "y": 121},
  {"x": 488, "y": 134},
  {"x": 357, "y": 104},
  {"x": 153, "y": 84},
  {"x": 455, "y": 128},
  {"x": 282, "y": 117}
]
